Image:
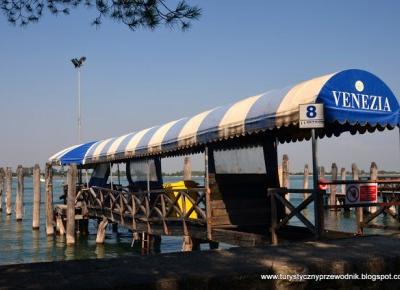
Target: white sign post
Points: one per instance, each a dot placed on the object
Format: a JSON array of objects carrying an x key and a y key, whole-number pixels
[{"x": 311, "y": 116}]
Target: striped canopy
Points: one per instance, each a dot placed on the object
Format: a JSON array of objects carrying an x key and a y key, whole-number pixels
[{"x": 351, "y": 98}]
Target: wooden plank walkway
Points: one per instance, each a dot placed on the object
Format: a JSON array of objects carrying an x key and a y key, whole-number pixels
[{"x": 237, "y": 268}]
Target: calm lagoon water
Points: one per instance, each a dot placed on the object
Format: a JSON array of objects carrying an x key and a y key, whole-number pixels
[{"x": 20, "y": 244}]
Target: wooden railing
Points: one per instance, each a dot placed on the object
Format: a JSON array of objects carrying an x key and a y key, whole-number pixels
[
  {"x": 279, "y": 195},
  {"x": 388, "y": 189},
  {"x": 159, "y": 207}
]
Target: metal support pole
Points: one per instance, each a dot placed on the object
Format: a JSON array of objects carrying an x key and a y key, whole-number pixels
[
  {"x": 318, "y": 218},
  {"x": 207, "y": 193},
  {"x": 79, "y": 106}
]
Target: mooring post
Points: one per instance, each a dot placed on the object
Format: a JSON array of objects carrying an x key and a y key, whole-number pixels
[
  {"x": 187, "y": 168},
  {"x": 2, "y": 187},
  {"x": 359, "y": 210},
  {"x": 321, "y": 172},
  {"x": 60, "y": 225},
  {"x": 49, "y": 200},
  {"x": 373, "y": 175},
  {"x": 305, "y": 180},
  {"x": 187, "y": 244},
  {"x": 101, "y": 231},
  {"x": 343, "y": 175},
  {"x": 36, "y": 197},
  {"x": 8, "y": 190},
  {"x": 334, "y": 172},
  {"x": 71, "y": 180},
  {"x": 285, "y": 176},
  {"x": 19, "y": 200}
]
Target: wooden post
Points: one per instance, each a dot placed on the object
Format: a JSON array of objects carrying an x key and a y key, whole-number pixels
[
  {"x": 2, "y": 187},
  {"x": 60, "y": 225},
  {"x": 280, "y": 175},
  {"x": 344, "y": 177},
  {"x": 305, "y": 179},
  {"x": 49, "y": 200},
  {"x": 187, "y": 169},
  {"x": 359, "y": 210},
  {"x": 36, "y": 197},
  {"x": 333, "y": 188},
  {"x": 285, "y": 176},
  {"x": 187, "y": 244},
  {"x": 274, "y": 221},
  {"x": 8, "y": 190},
  {"x": 71, "y": 180},
  {"x": 373, "y": 173},
  {"x": 19, "y": 200},
  {"x": 101, "y": 231},
  {"x": 322, "y": 172}
]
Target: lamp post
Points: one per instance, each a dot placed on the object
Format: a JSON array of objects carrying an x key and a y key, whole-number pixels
[{"x": 77, "y": 64}]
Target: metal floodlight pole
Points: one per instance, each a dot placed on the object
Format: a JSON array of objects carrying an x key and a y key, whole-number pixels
[
  {"x": 77, "y": 64},
  {"x": 79, "y": 106}
]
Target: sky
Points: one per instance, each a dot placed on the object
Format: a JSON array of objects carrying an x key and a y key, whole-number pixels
[{"x": 133, "y": 80}]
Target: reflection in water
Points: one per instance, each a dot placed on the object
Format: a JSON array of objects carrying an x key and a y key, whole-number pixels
[
  {"x": 35, "y": 245},
  {"x": 69, "y": 252},
  {"x": 19, "y": 232},
  {"x": 100, "y": 251}
]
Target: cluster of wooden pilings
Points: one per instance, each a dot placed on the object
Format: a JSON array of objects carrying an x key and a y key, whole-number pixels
[
  {"x": 284, "y": 174},
  {"x": 6, "y": 189}
]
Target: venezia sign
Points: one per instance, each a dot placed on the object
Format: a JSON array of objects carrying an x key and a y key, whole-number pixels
[{"x": 361, "y": 101}]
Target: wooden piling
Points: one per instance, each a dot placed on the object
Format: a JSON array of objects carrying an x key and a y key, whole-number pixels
[
  {"x": 343, "y": 177},
  {"x": 187, "y": 168},
  {"x": 305, "y": 179},
  {"x": 2, "y": 187},
  {"x": 49, "y": 200},
  {"x": 285, "y": 176},
  {"x": 187, "y": 244},
  {"x": 373, "y": 171},
  {"x": 19, "y": 200},
  {"x": 101, "y": 231},
  {"x": 334, "y": 171},
  {"x": 321, "y": 172},
  {"x": 373, "y": 175},
  {"x": 60, "y": 225},
  {"x": 8, "y": 190},
  {"x": 359, "y": 210},
  {"x": 71, "y": 179},
  {"x": 36, "y": 197}
]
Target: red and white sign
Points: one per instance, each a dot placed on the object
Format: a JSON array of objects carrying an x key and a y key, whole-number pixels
[{"x": 361, "y": 193}]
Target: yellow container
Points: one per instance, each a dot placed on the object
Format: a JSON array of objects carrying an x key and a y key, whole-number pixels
[{"x": 172, "y": 189}]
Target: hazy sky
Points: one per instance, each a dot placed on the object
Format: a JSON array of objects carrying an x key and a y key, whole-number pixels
[{"x": 133, "y": 80}]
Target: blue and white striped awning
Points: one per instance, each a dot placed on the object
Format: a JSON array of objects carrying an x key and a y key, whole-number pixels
[{"x": 350, "y": 97}]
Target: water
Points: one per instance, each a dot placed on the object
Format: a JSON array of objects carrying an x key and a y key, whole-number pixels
[{"x": 20, "y": 244}]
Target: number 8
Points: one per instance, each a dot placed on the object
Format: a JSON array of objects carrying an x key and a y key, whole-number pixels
[{"x": 311, "y": 112}]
